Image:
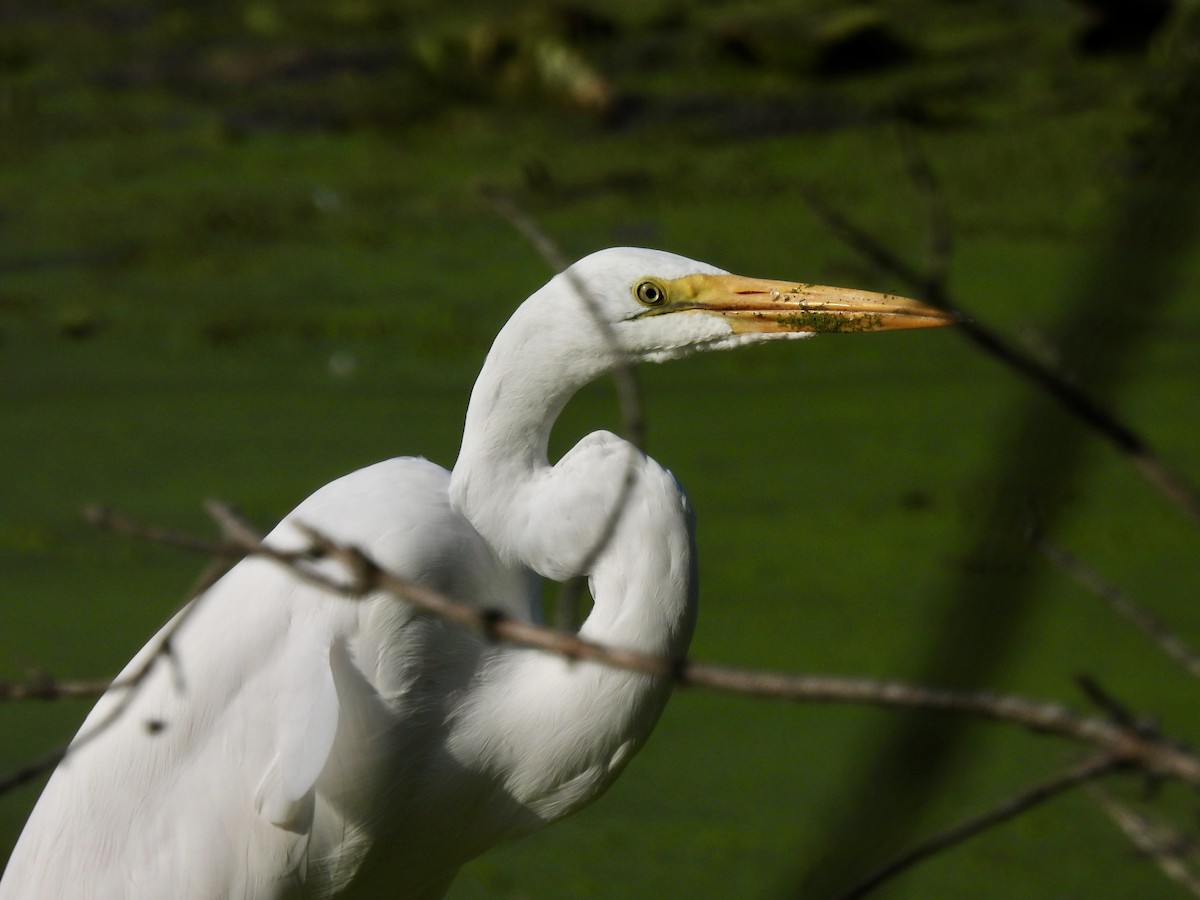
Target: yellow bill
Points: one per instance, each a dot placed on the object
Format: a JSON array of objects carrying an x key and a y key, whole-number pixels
[{"x": 763, "y": 305}]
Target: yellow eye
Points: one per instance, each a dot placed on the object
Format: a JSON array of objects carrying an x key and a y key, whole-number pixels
[{"x": 650, "y": 293}]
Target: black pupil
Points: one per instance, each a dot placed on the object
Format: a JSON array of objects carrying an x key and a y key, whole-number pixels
[{"x": 650, "y": 293}]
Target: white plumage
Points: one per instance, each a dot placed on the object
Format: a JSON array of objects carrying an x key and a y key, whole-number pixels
[{"x": 300, "y": 730}]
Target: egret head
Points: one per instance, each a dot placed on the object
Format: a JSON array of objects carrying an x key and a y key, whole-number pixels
[
  {"x": 656, "y": 306},
  {"x": 638, "y": 306}
]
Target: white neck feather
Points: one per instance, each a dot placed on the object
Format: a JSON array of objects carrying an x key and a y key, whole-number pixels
[
  {"x": 583, "y": 720},
  {"x": 551, "y": 518}
]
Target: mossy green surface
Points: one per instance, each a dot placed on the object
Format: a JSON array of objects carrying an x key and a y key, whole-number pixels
[{"x": 243, "y": 250}]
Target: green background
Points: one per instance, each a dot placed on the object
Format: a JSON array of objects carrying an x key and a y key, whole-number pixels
[{"x": 243, "y": 250}]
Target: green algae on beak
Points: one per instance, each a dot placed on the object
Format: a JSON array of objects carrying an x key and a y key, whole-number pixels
[{"x": 761, "y": 305}]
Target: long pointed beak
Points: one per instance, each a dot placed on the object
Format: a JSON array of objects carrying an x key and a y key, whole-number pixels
[{"x": 762, "y": 305}]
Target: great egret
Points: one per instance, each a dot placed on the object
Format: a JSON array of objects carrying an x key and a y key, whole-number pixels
[{"x": 299, "y": 729}]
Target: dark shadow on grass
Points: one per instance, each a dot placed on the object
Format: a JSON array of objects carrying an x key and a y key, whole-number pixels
[{"x": 1131, "y": 274}]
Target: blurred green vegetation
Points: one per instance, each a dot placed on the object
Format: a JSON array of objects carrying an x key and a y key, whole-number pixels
[{"x": 243, "y": 250}]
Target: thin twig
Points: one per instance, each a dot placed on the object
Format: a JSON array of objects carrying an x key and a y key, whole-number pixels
[
  {"x": 1088, "y": 770},
  {"x": 939, "y": 233},
  {"x": 224, "y": 556},
  {"x": 1174, "y": 852},
  {"x": 1113, "y": 709},
  {"x": 866, "y": 245},
  {"x": 231, "y": 522},
  {"x": 30, "y": 771},
  {"x": 1122, "y": 604},
  {"x": 633, "y": 421},
  {"x": 1172, "y": 484},
  {"x": 44, "y": 688},
  {"x": 1135, "y": 745},
  {"x": 111, "y": 520}
]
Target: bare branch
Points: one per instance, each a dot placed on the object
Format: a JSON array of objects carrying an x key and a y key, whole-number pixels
[
  {"x": 1174, "y": 852},
  {"x": 932, "y": 288},
  {"x": 524, "y": 223},
  {"x": 38, "y": 767},
  {"x": 1039, "y": 793},
  {"x": 866, "y": 245},
  {"x": 1114, "y": 709},
  {"x": 1122, "y": 604},
  {"x": 1132, "y": 743},
  {"x": 233, "y": 526},
  {"x": 45, "y": 688},
  {"x": 633, "y": 421},
  {"x": 224, "y": 555},
  {"x": 110, "y": 520}
]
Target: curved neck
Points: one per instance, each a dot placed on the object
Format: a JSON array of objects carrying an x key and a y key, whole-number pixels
[
  {"x": 604, "y": 501},
  {"x": 512, "y": 410},
  {"x": 605, "y": 510},
  {"x": 538, "y": 361},
  {"x": 644, "y": 583}
]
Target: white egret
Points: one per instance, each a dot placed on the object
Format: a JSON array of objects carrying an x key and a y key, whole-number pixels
[{"x": 301, "y": 730}]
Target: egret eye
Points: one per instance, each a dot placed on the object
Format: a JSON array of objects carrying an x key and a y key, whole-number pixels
[{"x": 650, "y": 293}]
